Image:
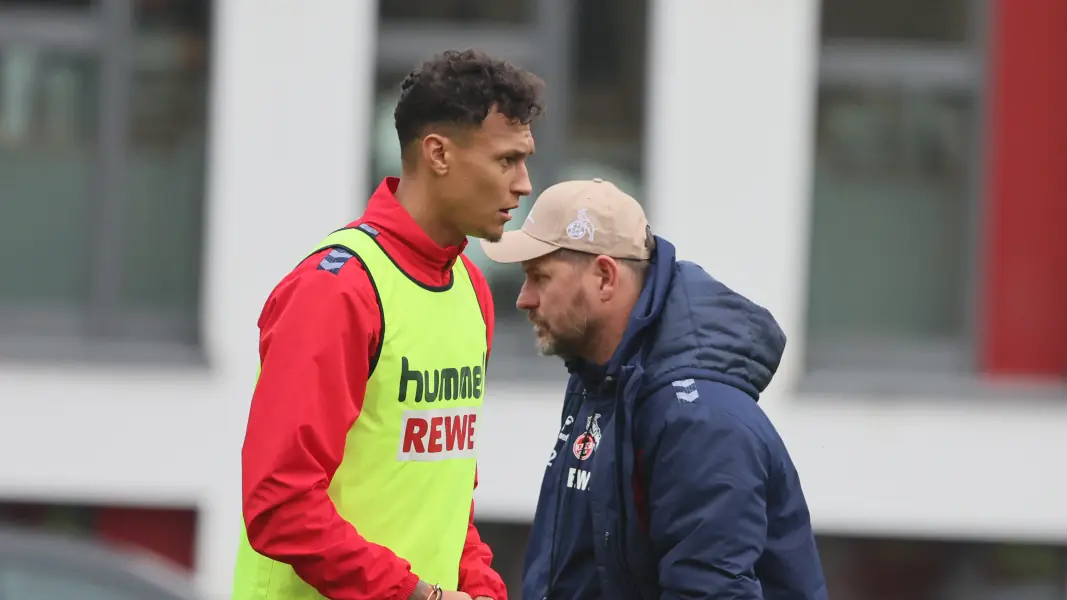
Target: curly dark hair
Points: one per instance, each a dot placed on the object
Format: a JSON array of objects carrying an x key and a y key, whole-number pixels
[{"x": 459, "y": 88}]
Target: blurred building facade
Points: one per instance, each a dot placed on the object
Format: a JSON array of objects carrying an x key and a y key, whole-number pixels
[{"x": 890, "y": 179}]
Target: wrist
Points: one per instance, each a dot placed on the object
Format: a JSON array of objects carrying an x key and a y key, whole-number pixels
[{"x": 420, "y": 590}]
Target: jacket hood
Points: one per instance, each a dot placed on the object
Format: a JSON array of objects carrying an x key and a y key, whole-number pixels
[{"x": 686, "y": 324}]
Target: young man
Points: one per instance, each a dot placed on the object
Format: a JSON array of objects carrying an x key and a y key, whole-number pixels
[
  {"x": 668, "y": 480},
  {"x": 359, "y": 456}
]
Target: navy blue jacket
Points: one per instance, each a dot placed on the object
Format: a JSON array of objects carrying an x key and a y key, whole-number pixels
[{"x": 692, "y": 492}]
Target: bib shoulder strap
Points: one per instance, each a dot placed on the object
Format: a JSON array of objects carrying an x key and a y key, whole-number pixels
[
  {"x": 360, "y": 242},
  {"x": 357, "y": 243},
  {"x": 348, "y": 243}
]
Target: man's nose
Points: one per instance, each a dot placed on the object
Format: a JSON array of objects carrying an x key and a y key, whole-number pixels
[
  {"x": 527, "y": 300},
  {"x": 522, "y": 185}
]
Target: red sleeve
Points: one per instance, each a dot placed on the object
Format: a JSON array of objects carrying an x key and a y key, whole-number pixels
[
  {"x": 476, "y": 574},
  {"x": 317, "y": 332}
]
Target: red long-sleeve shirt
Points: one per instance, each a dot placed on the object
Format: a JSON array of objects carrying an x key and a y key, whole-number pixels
[{"x": 318, "y": 331}]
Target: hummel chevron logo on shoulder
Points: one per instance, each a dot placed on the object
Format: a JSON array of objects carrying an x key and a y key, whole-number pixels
[{"x": 687, "y": 391}]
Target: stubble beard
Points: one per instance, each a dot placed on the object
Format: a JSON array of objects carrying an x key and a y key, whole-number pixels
[{"x": 572, "y": 337}]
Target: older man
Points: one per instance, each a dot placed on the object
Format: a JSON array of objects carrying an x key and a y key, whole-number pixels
[{"x": 667, "y": 479}]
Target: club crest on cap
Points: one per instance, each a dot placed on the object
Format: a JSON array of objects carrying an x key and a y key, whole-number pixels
[{"x": 581, "y": 227}]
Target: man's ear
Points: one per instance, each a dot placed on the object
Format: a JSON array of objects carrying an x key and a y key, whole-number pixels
[
  {"x": 435, "y": 152},
  {"x": 607, "y": 271}
]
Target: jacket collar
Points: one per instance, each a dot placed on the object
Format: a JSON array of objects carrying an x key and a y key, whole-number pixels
[{"x": 409, "y": 244}]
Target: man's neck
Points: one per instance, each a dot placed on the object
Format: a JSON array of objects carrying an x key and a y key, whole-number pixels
[
  {"x": 603, "y": 348},
  {"x": 610, "y": 334},
  {"x": 412, "y": 195}
]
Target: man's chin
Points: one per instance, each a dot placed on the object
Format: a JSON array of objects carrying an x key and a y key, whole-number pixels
[
  {"x": 545, "y": 346},
  {"x": 553, "y": 349},
  {"x": 491, "y": 235}
]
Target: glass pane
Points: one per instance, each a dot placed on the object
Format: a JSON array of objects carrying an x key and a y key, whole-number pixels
[
  {"x": 892, "y": 216},
  {"x": 47, "y": 149},
  {"x": 166, "y": 179},
  {"x": 457, "y": 11},
  {"x": 873, "y": 569},
  {"x": 385, "y": 149},
  {"x": 46, "y": 4},
  {"x": 914, "y": 20},
  {"x": 607, "y": 79}
]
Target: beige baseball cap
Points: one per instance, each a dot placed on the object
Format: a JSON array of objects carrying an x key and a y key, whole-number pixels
[{"x": 591, "y": 216}]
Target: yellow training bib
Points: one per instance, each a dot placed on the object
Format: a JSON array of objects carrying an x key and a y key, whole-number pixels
[{"x": 406, "y": 480}]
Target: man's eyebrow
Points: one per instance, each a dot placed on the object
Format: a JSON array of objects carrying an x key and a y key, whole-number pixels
[{"x": 516, "y": 152}]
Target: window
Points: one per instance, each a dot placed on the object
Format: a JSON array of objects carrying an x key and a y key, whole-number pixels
[
  {"x": 168, "y": 534},
  {"x": 896, "y": 206},
  {"x": 937, "y": 233},
  {"x": 457, "y": 11},
  {"x": 102, "y": 159},
  {"x": 592, "y": 56},
  {"x": 939, "y": 21},
  {"x": 887, "y": 569}
]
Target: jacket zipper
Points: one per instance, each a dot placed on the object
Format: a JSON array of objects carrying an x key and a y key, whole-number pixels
[
  {"x": 560, "y": 491},
  {"x": 625, "y": 491}
]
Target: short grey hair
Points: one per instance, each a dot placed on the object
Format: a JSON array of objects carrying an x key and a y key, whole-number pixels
[{"x": 575, "y": 257}]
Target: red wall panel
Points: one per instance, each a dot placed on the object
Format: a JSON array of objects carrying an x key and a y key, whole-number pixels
[
  {"x": 1025, "y": 295},
  {"x": 168, "y": 533}
]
